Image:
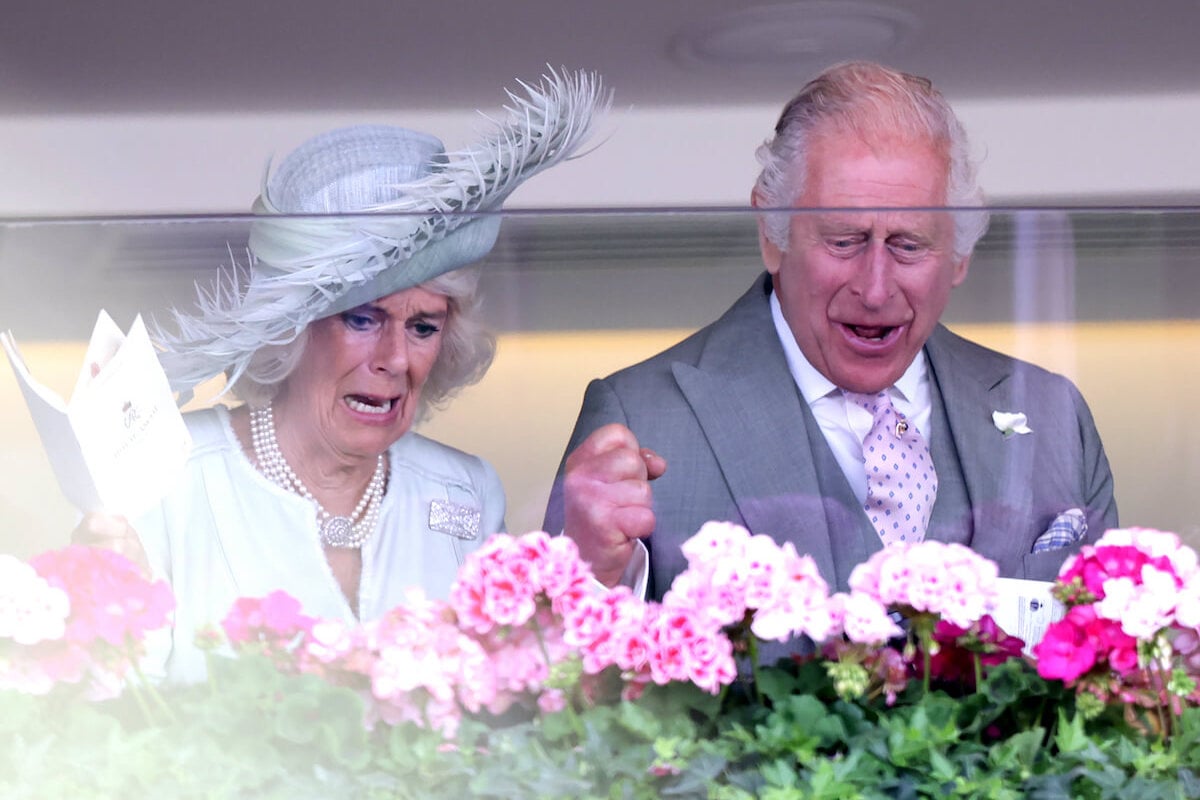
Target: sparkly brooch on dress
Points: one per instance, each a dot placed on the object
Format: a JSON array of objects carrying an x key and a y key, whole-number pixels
[{"x": 454, "y": 520}]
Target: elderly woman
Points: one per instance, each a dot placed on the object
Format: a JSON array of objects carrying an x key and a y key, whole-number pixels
[{"x": 344, "y": 333}]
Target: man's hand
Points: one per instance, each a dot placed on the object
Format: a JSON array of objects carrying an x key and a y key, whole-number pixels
[
  {"x": 607, "y": 498},
  {"x": 113, "y": 532}
]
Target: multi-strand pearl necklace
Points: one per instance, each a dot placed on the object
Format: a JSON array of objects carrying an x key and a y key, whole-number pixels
[{"x": 336, "y": 531}]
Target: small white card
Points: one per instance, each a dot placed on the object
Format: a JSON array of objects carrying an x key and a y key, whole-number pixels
[
  {"x": 120, "y": 442},
  {"x": 1026, "y": 609}
]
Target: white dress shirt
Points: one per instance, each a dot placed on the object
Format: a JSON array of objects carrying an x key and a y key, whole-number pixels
[{"x": 845, "y": 424}]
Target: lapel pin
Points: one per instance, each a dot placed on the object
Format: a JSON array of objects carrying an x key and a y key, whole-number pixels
[{"x": 1011, "y": 422}]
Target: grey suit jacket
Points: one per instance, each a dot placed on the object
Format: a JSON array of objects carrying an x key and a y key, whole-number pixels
[{"x": 741, "y": 445}]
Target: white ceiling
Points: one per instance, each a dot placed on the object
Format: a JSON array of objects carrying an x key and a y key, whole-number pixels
[{"x": 67, "y": 56}]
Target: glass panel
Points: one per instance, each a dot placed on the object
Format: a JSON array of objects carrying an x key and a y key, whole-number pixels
[{"x": 1107, "y": 297}]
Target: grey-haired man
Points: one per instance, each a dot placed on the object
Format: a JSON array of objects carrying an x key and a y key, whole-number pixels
[{"x": 759, "y": 418}]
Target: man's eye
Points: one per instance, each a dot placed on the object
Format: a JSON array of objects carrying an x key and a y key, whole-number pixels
[
  {"x": 844, "y": 243},
  {"x": 908, "y": 250}
]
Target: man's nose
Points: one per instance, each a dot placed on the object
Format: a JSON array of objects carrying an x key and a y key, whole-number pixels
[{"x": 874, "y": 281}]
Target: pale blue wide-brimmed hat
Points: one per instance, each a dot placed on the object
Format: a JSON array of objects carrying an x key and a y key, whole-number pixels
[{"x": 406, "y": 212}]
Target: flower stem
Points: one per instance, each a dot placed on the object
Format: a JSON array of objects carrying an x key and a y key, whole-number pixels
[
  {"x": 1160, "y": 691},
  {"x": 211, "y": 679},
  {"x": 922, "y": 625},
  {"x": 752, "y": 649},
  {"x": 147, "y": 714},
  {"x": 153, "y": 693}
]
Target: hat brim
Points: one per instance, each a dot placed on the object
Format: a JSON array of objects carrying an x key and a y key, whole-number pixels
[
  {"x": 306, "y": 269},
  {"x": 464, "y": 246}
]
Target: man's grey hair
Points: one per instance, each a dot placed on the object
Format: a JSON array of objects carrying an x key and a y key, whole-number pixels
[
  {"x": 467, "y": 349},
  {"x": 867, "y": 100}
]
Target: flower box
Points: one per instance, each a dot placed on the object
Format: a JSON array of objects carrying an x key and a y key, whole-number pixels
[{"x": 529, "y": 682}]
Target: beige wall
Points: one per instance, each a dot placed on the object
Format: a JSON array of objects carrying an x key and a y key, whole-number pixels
[
  {"x": 1032, "y": 149},
  {"x": 519, "y": 417}
]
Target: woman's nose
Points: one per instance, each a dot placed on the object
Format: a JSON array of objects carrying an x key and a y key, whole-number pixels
[{"x": 391, "y": 353}]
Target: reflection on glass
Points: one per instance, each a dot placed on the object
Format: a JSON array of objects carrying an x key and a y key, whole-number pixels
[{"x": 1105, "y": 296}]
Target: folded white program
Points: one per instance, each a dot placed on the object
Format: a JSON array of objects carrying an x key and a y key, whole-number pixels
[
  {"x": 119, "y": 442},
  {"x": 1026, "y": 609}
]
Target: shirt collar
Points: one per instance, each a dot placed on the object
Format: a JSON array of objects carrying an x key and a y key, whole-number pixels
[{"x": 813, "y": 385}]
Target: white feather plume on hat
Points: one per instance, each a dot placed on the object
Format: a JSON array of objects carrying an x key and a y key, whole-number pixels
[{"x": 418, "y": 212}]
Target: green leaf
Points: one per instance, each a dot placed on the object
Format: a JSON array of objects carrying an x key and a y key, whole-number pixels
[
  {"x": 1071, "y": 737},
  {"x": 776, "y": 683}
]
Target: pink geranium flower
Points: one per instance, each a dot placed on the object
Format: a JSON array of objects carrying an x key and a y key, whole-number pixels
[
  {"x": 500, "y": 584},
  {"x": 602, "y": 627},
  {"x": 863, "y": 619},
  {"x": 733, "y": 576},
  {"x": 931, "y": 577},
  {"x": 78, "y": 615},
  {"x": 275, "y": 619},
  {"x": 687, "y": 648},
  {"x": 111, "y": 600}
]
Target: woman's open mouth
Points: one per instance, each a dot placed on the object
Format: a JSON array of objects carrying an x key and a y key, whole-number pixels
[{"x": 370, "y": 405}]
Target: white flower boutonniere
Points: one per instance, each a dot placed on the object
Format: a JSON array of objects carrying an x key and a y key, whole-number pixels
[{"x": 1010, "y": 422}]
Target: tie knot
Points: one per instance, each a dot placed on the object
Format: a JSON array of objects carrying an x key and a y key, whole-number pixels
[{"x": 875, "y": 404}]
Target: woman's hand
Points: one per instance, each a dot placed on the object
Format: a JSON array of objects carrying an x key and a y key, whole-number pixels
[{"x": 112, "y": 532}]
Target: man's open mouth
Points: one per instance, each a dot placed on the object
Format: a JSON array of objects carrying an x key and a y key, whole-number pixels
[{"x": 874, "y": 333}]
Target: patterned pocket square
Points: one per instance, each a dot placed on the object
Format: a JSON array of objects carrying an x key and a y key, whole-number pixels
[{"x": 1067, "y": 529}]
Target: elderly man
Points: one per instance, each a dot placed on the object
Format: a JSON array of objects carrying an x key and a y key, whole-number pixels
[{"x": 828, "y": 406}]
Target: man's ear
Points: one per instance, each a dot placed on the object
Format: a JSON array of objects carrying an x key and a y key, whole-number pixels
[
  {"x": 960, "y": 271},
  {"x": 772, "y": 256}
]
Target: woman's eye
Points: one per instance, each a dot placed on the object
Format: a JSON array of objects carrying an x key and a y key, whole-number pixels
[
  {"x": 358, "y": 322},
  {"x": 424, "y": 329}
]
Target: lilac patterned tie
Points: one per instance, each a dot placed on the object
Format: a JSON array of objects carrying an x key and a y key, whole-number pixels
[{"x": 901, "y": 483}]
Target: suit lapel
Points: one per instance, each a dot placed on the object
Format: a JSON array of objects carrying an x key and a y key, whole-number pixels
[
  {"x": 998, "y": 472},
  {"x": 741, "y": 375}
]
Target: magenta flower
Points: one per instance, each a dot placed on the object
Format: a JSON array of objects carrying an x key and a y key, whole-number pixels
[
  {"x": 958, "y": 648},
  {"x": 1141, "y": 578},
  {"x": 1065, "y": 651}
]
